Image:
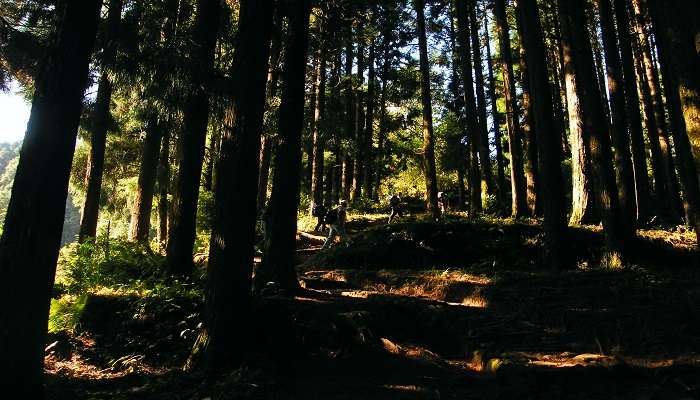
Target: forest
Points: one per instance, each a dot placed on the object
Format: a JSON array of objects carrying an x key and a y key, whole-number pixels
[{"x": 351, "y": 199}]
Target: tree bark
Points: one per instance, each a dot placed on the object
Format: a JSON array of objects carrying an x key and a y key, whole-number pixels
[
  {"x": 98, "y": 137},
  {"x": 359, "y": 122},
  {"x": 426, "y": 99},
  {"x": 267, "y": 140},
  {"x": 666, "y": 187},
  {"x": 227, "y": 328},
  {"x": 580, "y": 71},
  {"x": 500, "y": 162},
  {"x": 534, "y": 203},
  {"x": 140, "y": 224},
  {"x": 32, "y": 231},
  {"x": 163, "y": 187},
  {"x": 621, "y": 140},
  {"x": 676, "y": 54},
  {"x": 517, "y": 178},
  {"x": 281, "y": 224},
  {"x": 549, "y": 140},
  {"x": 633, "y": 113},
  {"x": 369, "y": 125},
  {"x": 195, "y": 117},
  {"x": 319, "y": 111},
  {"x": 471, "y": 116},
  {"x": 484, "y": 151}
]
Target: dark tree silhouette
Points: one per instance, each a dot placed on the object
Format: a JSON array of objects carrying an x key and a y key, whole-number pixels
[{"x": 32, "y": 231}]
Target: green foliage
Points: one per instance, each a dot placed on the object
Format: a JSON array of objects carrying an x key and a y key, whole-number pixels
[
  {"x": 65, "y": 313},
  {"x": 83, "y": 266}
]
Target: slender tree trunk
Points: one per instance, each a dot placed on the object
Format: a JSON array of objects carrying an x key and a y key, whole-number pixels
[
  {"x": 280, "y": 233},
  {"x": 633, "y": 113},
  {"x": 359, "y": 128},
  {"x": 32, "y": 231},
  {"x": 549, "y": 140},
  {"x": 557, "y": 67},
  {"x": 140, "y": 224},
  {"x": 264, "y": 174},
  {"x": 319, "y": 110},
  {"x": 529, "y": 132},
  {"x": 98, "y": 137},
  {"x": 196, "y": 117},
  {"x": 163, "y": 187},
  {"x": 369, "y": 126},
  {"x": 517, "y": 178},
  {"x": 667, "y": 189},
  {"x": 227, "y": 325},
  {"x": 347, "y": 164},
  {"x": 675, "y": 49},
  {"x": 484, "y": 151},
  {"x": 500, "y": 162},
  {"x": 578, "y": 58},
  {"x": 381, "y": 136},
  {"x": 267, "y": 140},
  {"x": 213, "y": 150},
  {"x": 471, "y": 116},
  {"x": 621, "y": 141},
  {"x": 426, "y": 98}
]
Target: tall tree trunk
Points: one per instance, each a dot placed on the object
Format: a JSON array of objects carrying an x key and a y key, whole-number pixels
[
  {"x": 675, "y": 49},
  {"x": 359, "y": 128},
  {"x": 471, "y": 116},
  {"x": 319, "y": 110},
  {"x": 347, "y": 164},
  {"x": 633, "y": 113},
  {"x": 549, "y": 140},
  {"x": 666, "y": 189},
  {"x": 281, "y": 225},
  {"x": 381, "y": 135},
  {"x": 621, "y": 141},
  {"x": 98, "y": 137},
  {"x": 32, "y": 231},
  {"x": 194, "y": 134},
  {"x": 517, "y": 178},
  {"x": 140, "y": 224},
  {"x": 163, "y": 187},
  {"x": 267, "y": 139},
  {"x": 583, "y": 209},
  {"x": 426, "y": 99},
  {"x": 556, "y": 64},
  {"x": 484, "y": 151},
  {"x": 227, "y": 328},
  {"x": 580, "y": 72},
  {"x": 369, "y": 125},
  {"x": 213, "y": 150},
  {"x": 529, "y": 132},
  {"x": 500, "y": 162}
]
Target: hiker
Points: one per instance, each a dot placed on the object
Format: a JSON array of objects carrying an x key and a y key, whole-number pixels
[
  {"x": 442, "y": 202},
  {"x": 336, "y": 219},
  {"x": 319, "y": 211},
  {"x": 395, "y": 205}
]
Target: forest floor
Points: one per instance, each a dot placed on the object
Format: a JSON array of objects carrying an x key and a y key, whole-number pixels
[{"x": 418, "y": 310}]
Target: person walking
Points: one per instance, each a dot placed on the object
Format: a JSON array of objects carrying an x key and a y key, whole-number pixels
[
  {"x": 442, "y": 202},
  {"x": 336, "y": 219},
  {"x": 319, "y": 211},
  {"x": 395, "y": 205}
]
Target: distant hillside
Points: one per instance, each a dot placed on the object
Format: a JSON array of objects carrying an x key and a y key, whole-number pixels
[{"x": 9, "y": 157}]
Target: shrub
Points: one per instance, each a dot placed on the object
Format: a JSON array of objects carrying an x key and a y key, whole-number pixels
[{"x": 82, "y": 266}]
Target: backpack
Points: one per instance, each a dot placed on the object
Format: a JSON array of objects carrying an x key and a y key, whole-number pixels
[
  {"x": 331, "y": 216},
  {"x": 394, "y": 201}
]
